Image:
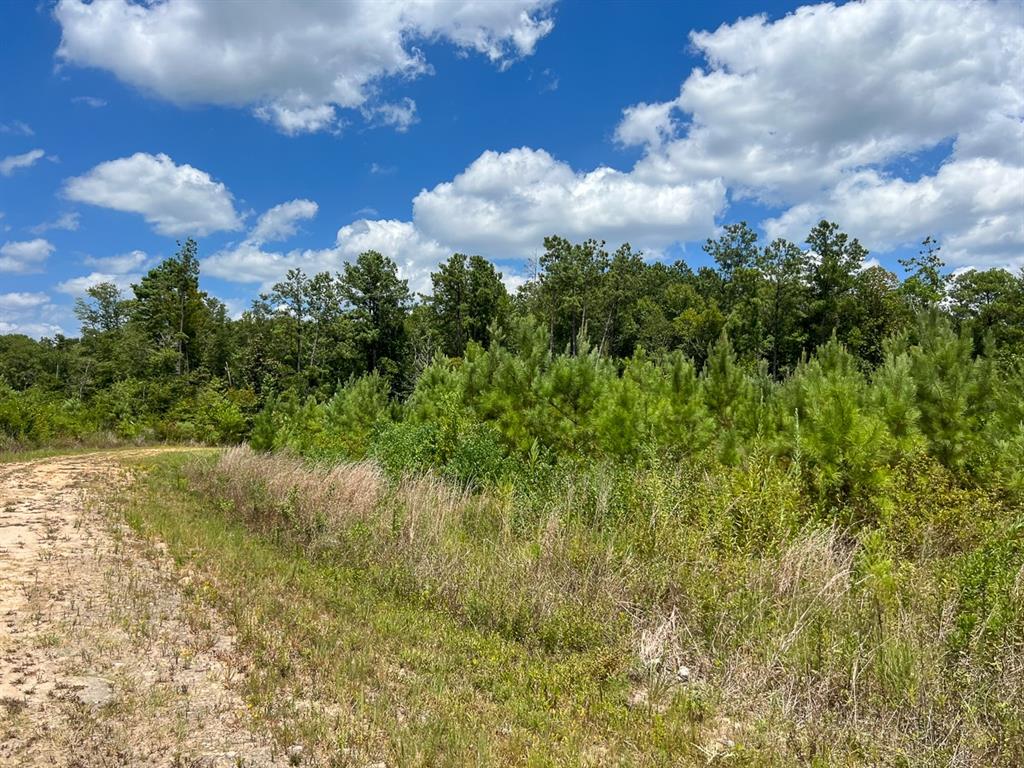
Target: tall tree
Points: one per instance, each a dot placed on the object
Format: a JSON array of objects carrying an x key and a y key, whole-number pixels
[
  {"x": 783, "y": 266},
  {"x": 290, "y": 299},
  {"x": 623, "y": 290},
  {"x": 113, "y": 347},
  {"x": 876, "y": 312},
  {"x": 570, "y": 287},
  {"x": 468, "y": 297},
  {"x": 735, "y": 252},
  {"x": 925, "y": 285},
  {"x": 989, "y": 304},
  {"x": 836, "y": 260},
  {"x": 378, "y": 300},
  {"x": 104, "y": 311},
  {"x": 170, "y": 306}
]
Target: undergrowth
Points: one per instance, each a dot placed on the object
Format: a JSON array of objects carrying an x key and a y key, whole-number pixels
[{"x": 623, "y": 615}]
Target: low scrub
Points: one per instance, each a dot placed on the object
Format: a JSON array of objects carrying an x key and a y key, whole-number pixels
[{"x": 710, "y": 586}]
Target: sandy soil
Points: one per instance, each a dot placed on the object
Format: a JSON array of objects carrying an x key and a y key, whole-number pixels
[{"x": 105, "y": 659}]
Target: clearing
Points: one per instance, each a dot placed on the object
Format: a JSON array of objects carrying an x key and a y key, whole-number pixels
[{"x": 103, "y": 659}]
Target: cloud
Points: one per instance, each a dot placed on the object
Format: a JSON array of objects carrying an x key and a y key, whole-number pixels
[
  {"x": 174, "y": 199},
  {"x": 279, "y": 223},
  {"x": 77, "y": 286},
  {"x": 90, "y": 101},
  {"x": 11, "y": 163},
  {"x": 646, "y": 124},
  {"x": 17, "y": 128},
  {"x": 295, "y": 120},
  {"x": 400, "y": 115},
  {"x": 32, "y": 314},
  {"x": 978, "y": 203},
  {"x": 789, "y": 106},
  {"x": 415, "y": 255},
  {"x": 295, "y": 63},
  {"x": 66, "y": 221},
  {"x": 513, "y": 282},
  {"x": 813, "y": 111},
  {"x": 122, "y": 263},
  {"x": 122, "y": 270},
  {"x": 504, "y": 204},
  {"x": 24, "y": 255}
]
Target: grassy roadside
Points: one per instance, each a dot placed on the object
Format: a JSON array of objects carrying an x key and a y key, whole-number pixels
[
  {"x": 17, "y": 457},
  {"x": 357, "y": 676},
  {"x": 21, "y": 455},
  {"x": 690, "y": 622}
]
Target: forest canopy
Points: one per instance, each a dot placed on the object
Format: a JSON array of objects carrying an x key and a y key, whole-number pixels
[{"x": 808, "y": 352}]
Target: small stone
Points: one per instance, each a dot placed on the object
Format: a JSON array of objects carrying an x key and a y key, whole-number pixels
[
  {"x": 90, "y": 691},
  {"x": 683, "y": 674},
  {"x": 217, "y": 760},
  {"x": 294, "y": 753},
  {"x": 637, "y": 698}
]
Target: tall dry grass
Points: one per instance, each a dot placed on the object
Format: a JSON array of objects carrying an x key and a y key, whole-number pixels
[{"x": 807, "y": 642}]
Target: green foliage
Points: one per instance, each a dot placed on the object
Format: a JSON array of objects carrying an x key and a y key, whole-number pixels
[
  {"x": 843, "y": 444},
  {"x": 953, "y": 390},
  {"x": 467, "y": 301},
  {"x": 804, "y": 355},
  {"x": 730, "y": 397},
  {"x": 378, "y": 301},
  {"x": 352, "y": 414},
  {"x": 798, "y": 463}
]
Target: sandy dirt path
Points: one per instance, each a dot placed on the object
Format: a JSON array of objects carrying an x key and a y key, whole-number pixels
[{"x": 105, "y": 658}]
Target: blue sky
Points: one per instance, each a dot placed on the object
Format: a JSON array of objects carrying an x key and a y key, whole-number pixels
[{"x": 483, "y": 126}]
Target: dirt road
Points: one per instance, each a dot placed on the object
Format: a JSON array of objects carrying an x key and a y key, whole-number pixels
[{"x": 104, "y": 658}]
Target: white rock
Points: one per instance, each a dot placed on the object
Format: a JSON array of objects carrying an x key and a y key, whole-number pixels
[{"x": 91, "y": 691}]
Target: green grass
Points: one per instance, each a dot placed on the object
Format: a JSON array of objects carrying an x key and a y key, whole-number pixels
[
  {"x": 33, "y": 454},
  {"x": 356, "y": 675},
  {"x": 408, "y": 622},
  {"x": 14, "y": 457}
]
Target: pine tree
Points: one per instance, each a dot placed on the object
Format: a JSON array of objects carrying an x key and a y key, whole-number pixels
[
  {"x": 378, "y": 300},
  {"x": 728, "y": 393},
  {"x": 170, "y": 307},
  {"x": 952, "y": 391},
  {"x": 832, "y": 278}
]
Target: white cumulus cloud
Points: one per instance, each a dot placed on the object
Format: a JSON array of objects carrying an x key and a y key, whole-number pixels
[
  {"x": 120, "y": 264},
  {"x": 24, "y": 255},
  {"x": 11, "y": 163},
  {"x": 174, "y": 199},
  {"x": 250, "y": 262},
  {"x": 66, "y": 221},
  {"x": 30, "y": 313},
  {"x": 77, "y": 286},
  {"x": 122, "y": 270},
  {"x": 294, "y": 61},
  {"x": 504, "y": 204},
  {"x": 281, "y": 221},
  {"x": 811, "y": 112},
  {"x": 979, "y": 203}
]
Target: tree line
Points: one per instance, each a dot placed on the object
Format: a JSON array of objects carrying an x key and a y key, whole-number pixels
[{"x": 165, "y": 358}]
